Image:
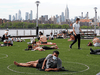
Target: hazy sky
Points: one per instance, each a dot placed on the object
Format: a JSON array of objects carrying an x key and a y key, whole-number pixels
[{"x": 49, "y": 7}]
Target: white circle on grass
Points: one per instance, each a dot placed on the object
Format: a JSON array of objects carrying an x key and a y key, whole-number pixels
[
  {"x": 8, "y": 67},
  {"x": 4, "y": 56}
]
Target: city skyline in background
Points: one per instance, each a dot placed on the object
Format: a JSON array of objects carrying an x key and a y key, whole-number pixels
[{"x": 50, "y": 8}]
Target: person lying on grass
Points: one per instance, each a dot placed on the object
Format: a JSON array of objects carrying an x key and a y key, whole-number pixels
[
  {"x": 94, "y": 51},
  {"x": 96, "y": 41},
  {"x": 43, "y": 48},
  {"x": 50, "y": 63}
]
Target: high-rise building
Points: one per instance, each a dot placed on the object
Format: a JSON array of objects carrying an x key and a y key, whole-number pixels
[
  {"x": 19, "y": 15},
  {"x": 46, "y": 17},
  {"x": 31, "y": 15},
  {"x": 81, "y": 15},
  {"x": 87, "y": 16},
  {"x": 62, "y": 17},
  {"x": 13, "y": 18},
  {"x": 66, "y": 13},
  {"x": 27, "y": 16},
  {"x": 57, "y": 17},
  {"x": 10, "y": 17},
  {"x": 16, "y": 16}
]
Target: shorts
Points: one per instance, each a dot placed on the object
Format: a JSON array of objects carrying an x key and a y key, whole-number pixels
[
  {"x": 43, "y": 42},
  {"x": 40, "y": 62}
]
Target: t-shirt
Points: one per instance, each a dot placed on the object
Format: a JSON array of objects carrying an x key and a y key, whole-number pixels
[
  {"x": 53, "y": 63},
  {"x": 77, "y": 26},
  {"x": 97, "y": 44}
]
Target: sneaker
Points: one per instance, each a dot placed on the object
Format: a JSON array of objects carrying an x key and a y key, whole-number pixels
[
  {"x": 70, "y": 46},
  {"x": 80, "y": 48}
]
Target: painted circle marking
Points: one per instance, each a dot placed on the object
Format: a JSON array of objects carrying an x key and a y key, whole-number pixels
[
  {"x": 8, "y": 67},
  {"x": 3, "y": 57}
]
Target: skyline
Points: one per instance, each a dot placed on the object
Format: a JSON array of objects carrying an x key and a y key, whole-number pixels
[{"x": 50, "y": 7}]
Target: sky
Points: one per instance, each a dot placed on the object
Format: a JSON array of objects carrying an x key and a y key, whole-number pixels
[{"x": 49, "y": 7}]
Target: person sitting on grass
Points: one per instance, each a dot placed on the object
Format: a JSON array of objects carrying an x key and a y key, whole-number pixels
[
  {"x": 43, "y": 40},
  {"x": 8, "y": 42},
  {"x": 64, "y": 32},
  {"x": 5, "y": 36},
  {"x": 51, "y": 36},
  {"x": 50, "y": 63},
  {"x": 96, "y": 42},
  {"x": 72, "y": 38},
  {"x": 60, "y": 34}
]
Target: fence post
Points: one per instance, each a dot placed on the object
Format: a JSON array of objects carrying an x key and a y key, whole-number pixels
[
  {"x": 17, "y": 32},
  {"x": 24, "y": 32},
  {"x": 43, "y": 32},
  {"x": 30, "y": 32}
]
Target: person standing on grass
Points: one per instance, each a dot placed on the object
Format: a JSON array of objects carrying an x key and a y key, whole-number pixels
[{"x": 76, "y": 31}]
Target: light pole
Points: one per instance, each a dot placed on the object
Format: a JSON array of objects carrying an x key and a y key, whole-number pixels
[
  {"x": 95, "y": 20},
  {"x": 37, "y": 28}
]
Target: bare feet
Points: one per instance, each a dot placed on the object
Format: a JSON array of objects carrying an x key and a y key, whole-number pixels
[
  {"x": 56, "y": 47},
  {"x": 16, "y": 63}
]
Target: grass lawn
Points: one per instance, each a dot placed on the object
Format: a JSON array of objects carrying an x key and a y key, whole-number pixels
[{"x": 78, "y": 62}]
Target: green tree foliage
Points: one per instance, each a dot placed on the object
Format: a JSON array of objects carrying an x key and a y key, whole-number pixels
[{"x": 42, "y": 26}]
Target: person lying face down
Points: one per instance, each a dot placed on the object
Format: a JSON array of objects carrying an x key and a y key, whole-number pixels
[{"x": 50, "y": 63}]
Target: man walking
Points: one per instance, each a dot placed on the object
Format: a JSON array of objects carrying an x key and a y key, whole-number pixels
[{"x": 76, "y": 30}]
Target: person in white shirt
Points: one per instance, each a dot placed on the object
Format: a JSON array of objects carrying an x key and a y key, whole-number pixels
[{"x": 76, "y": 30}]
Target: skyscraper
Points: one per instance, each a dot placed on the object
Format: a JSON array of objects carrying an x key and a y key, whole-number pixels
[
  {"x": 57, "y": 17},
  {"x": 10, "y": 17},
  {"x": 19, "y": 15},
  {"x": 16, "y": 16},
  {"x": 31, "y": 15},
  {"x": 81, "y": 15},
  {"x": 13, "y": 18},
  {"x": 62, "y": 17},
  {"x": 27, "y": 16},
  {"x": 46, "y": 17},
  {"x": 66, "y": 13}
]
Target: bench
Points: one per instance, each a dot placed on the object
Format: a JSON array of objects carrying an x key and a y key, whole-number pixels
[{"x": 88, "y": 35}]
